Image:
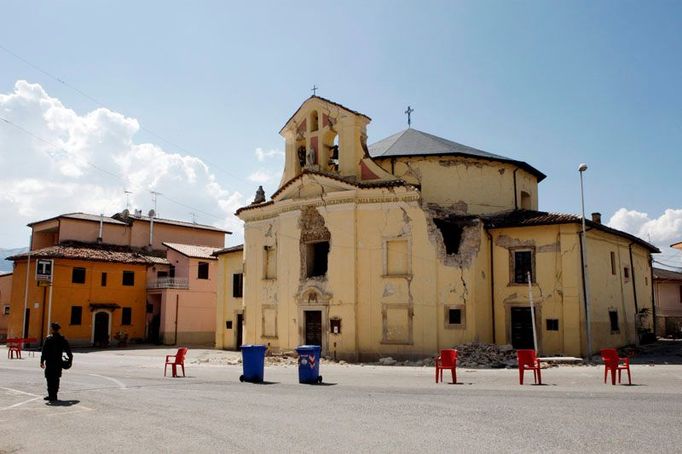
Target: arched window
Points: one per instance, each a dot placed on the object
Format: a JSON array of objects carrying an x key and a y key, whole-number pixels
[{"x": 314, "y": 124}]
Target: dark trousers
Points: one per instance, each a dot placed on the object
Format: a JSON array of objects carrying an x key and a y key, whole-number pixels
[{"x": 52, "y": 376}]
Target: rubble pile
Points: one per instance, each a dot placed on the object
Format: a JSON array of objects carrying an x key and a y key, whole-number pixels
[
  {"x": 474, "y": 355},
  {"x": 287, "y": 358},
  {"x": 477, "y": 355}
]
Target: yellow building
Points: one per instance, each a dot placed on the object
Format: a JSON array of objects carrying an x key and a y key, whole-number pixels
[
  {"x": 418, "y": 243},
  {"x": 5, "y": 293},
  {"x": 230, "y": 308}
]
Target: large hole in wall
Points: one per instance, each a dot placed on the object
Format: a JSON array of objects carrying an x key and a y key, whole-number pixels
[
  {"x": 316, "y": 258},
  {"x": 452, "y": 232}
]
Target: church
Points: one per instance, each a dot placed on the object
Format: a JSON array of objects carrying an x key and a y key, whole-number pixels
[{"x": 417, "y": 243}]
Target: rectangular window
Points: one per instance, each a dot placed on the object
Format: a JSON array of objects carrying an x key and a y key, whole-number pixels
[
  {"x": 552, "y": 324},
  {"x": 161, "y": 274},
  {"x": 126, "y": 316},
  {"x": 129, "y": 278},
  {"x": 237, "y": 285},
  {"x": 397, "y": 262},
  {"x": 523, "y": 264},
  {"x": 270, "y": 270},
  {"x": 228, "y": 324},
  {"x": 104, "y": 280},
  {"x": 202, "y": 270},
  {"x": 5, "y": 310},
  {"x": 613, "y": 320},
  {"x": 316, "y": 258},
  {"x": 613, "y": 263},
  {"x": 78, "y": 276},
  {"x": 454, "y": 316},
  {"x": 76, "y": 315}
]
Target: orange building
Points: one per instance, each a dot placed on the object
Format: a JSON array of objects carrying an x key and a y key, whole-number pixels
[
  {"x": 95, "y": 294},
  {"x": 105, "y": 275}
]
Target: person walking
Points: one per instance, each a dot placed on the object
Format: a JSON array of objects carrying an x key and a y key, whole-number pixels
[{"x": 54, "y": 347}]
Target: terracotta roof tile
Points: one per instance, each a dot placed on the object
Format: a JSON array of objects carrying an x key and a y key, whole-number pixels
[
  {"x": 667, "y": 275},
  {"x": 94, "y": 252},
  {"x": 523, "y": 218},
  {"x": 357, "y": 184},
  {"x": 227, "y": 250},
  {"x": 192, "y": 251}
]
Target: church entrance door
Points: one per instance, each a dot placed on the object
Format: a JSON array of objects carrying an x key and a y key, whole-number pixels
[
  {"x": 313, "y": 328},
  {"x": 521, "y": 328}
]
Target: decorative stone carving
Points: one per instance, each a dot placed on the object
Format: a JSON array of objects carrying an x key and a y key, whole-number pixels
[
  {"x": 311, "y": 157},
  {"x": 260, "y": 195}
]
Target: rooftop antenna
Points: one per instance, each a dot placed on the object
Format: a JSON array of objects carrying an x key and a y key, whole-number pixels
[
  {"x": 409, "y": 116},
  {"x": 154, "y": 196},
  {"x": 194, "y": 217},
  {"x": 314, "y": 89},
  {"x": 127, "y": 193}
]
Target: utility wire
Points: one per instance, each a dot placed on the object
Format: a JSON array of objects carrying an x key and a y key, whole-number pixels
[
  {"x": 94, "y": 166},
  {"x": 678, "y": 266},
  {"x": 52, "y": 155},
  {"x": 102, "y": 104}
]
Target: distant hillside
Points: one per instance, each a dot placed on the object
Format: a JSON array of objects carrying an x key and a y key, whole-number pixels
[{"x": 6, "y": 265}]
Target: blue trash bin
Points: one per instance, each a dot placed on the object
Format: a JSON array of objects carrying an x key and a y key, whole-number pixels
[
  {"x": 253, "y": 362},
  {"x": 309, "y": 364}
]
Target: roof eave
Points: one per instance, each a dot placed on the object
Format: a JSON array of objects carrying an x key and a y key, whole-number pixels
[
  {"x": 324, "y": 100},
  {"x": 524, "y": 165}
]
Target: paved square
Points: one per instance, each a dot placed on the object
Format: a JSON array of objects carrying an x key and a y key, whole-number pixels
[{"x": 119, "y": 401}]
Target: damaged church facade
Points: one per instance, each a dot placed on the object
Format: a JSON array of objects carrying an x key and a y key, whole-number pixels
[{"x": 417, "y": 243}]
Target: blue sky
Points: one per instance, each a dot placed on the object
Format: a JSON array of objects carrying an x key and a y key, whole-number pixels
[{"x": 550, "y": 83}]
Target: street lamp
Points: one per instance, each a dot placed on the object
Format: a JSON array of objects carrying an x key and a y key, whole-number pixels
[{"x": 583, "y": 252}]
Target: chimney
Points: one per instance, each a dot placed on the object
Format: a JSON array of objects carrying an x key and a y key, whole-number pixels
[
  {"x": 596, "y": 218},
  {"x": 101, "y": 227}
]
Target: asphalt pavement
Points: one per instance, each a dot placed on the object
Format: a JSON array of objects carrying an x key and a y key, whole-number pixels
[{"x": 118, "y": 401}]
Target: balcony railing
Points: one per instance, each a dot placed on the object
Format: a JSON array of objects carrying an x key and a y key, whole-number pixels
[{"x": 170, "y": 282}]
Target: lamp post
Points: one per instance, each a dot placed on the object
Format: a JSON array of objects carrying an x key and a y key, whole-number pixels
[{"x": 586, "y": 278}]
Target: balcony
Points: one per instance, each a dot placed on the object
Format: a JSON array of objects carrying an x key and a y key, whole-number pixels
[{"x": 169, "y": 282}]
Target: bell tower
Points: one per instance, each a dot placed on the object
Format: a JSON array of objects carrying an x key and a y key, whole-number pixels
[{"x": 326, "y": 137}]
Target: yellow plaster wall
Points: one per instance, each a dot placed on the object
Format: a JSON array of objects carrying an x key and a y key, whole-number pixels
[
  {"x": 66, "y": 294},
  {"x": 228, "y": 306},
  {"x": 470, "y": 186},
  {"x": 362, "y": 295},
  {"x": 558, "y": 291}
]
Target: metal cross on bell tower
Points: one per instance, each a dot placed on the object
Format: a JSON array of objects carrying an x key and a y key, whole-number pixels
[
  {"x": 314, "y": 90},
  {"x": 409, "y": 116}
]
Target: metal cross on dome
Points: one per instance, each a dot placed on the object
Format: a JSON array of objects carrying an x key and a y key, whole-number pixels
[{"x": 409, "y": 115}]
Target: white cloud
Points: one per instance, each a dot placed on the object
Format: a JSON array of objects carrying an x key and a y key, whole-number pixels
[
  {"x": 261, "y": 176},
  {"x": 72, "y": 162},
  {"x": 661, "y": 231},
  {"x": 262, "y": 155}
]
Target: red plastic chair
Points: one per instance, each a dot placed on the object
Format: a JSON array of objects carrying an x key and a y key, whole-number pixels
[
  {"x": 14, "y": 348},
  {"x": 447, "y": 360},
  {"x": 528, "y": 361},
  {"x": 612, "y": 362},
  {"x": 177, "y": 360}
]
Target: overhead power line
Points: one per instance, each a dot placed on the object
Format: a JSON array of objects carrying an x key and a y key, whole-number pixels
[
  {"x": 99, "y": 103},
  {"x": 94, "y": 166}
]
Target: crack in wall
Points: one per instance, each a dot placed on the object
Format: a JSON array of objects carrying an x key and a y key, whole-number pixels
[{"x": 465, "y": 292}]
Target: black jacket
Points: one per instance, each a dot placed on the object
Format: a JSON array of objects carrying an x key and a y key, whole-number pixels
[{"x": 53, "y": 348}]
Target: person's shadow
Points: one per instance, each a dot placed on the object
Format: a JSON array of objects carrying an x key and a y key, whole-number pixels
[{"x": 63, "y": 403}]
